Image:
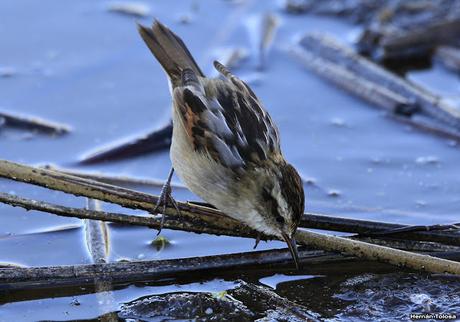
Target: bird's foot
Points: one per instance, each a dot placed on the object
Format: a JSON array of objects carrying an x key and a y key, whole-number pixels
[{"x": 164, "y": 200}]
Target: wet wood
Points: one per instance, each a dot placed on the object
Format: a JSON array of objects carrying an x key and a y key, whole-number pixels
[
  {"x": 33, "y": 123},
  {"x": 368, "y": 79},
  {"x": 136, "y": 271},
  {"x": 51, "y": 276},
  {"x": 137, "y": 200},
  {"x": 157, "y": 140}
]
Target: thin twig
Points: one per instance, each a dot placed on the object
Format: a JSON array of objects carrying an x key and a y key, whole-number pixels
[
  {"x": 184, "y": 225},
  {"x": 114, "y": 179},
  {"x": 173, "y": 223},
  {"x": 367, "y": 227},
  {"x": 411, "y": 229},
  {"x": 409, "y": 245}
]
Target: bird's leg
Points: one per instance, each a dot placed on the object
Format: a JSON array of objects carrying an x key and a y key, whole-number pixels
[
  {"x": 259, "y": 234},
  {"x": 165, "y": 198}
]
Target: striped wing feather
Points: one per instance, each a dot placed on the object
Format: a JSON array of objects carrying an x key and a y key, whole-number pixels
[{"x": 225, "y": 119}]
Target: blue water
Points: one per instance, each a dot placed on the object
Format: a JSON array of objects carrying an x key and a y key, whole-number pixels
[{"x": 77, "y": 63}]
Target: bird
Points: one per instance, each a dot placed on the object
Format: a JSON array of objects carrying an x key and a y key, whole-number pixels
[{"x": 225, "y": 146}]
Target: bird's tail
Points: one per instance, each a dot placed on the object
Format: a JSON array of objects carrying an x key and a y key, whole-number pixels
[{"x": 169, "y": 50}]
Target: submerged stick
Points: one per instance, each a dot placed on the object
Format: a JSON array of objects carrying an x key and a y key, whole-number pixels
[
  {"x": 154, "y": 141},
  {"x": 133, "y": 199},
  {"x": 98, "y": 243},
  {"x": 96, "y": 235},
  {"x": 33, "y": 123}
]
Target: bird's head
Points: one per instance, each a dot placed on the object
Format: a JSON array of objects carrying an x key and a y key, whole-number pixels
[{"x": 281, "y": 204}]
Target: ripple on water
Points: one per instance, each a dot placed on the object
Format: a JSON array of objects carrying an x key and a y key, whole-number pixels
[{"x": 395, "y": 296}]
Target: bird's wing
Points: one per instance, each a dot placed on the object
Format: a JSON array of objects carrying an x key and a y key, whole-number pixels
[{"x": 225, "y": 119}]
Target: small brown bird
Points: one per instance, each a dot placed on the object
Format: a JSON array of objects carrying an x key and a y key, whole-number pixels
[{"x": 225, "y": 146}]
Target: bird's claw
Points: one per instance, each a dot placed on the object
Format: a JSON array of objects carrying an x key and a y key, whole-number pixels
[
  {"x": 257, "y": 240},
  {"x": 164, "y": 199}
]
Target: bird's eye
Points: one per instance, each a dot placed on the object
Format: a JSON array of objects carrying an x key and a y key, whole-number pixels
[
  {"x": 266, "y": 195},
  {"x": 279, "y": 219}
]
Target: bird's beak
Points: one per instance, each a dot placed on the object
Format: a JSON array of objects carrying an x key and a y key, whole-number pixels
[{"x": 293, "y": 249}]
